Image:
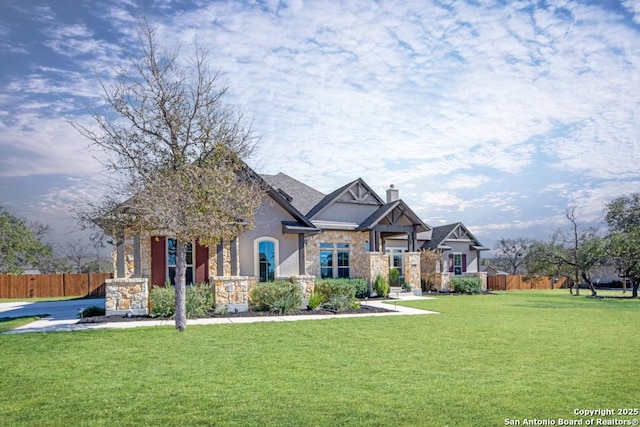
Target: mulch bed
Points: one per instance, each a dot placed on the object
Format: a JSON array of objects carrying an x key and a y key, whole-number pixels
[{"x": 365, "y": 309}]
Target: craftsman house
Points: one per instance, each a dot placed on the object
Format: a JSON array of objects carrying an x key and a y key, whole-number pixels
[{"x": 301, "y": 233}]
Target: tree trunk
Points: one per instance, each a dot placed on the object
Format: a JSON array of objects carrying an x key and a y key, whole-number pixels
[
  {"x": 181, "y": 270},
  {"x": 634, "y": 293},
  {"x": 591, "y": 287}
]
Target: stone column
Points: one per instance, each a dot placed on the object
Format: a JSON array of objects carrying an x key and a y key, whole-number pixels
[
  {"x": 129, "y": 297},
  {"x": 412, "y": 271}
]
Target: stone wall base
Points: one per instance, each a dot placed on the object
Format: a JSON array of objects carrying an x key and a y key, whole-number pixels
[
  {"x": 126, "y": 297},
  {"x": 232, "y": 292}
]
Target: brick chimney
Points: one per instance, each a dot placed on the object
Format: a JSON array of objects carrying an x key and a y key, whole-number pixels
[{"x": 392, "y": 194}]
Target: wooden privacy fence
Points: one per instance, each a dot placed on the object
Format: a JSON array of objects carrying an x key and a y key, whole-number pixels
[
  {"x": 519, "y": 283},
  {"x": 52, "y": 285}
]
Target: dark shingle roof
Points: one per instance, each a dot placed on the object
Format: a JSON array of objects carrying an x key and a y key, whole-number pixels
[
  {"x": 303, "y": 197},
  {"x": 439, "y": 234}
]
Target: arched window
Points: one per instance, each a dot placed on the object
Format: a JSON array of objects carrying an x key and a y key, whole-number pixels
[{"x": 266, "y": 259}]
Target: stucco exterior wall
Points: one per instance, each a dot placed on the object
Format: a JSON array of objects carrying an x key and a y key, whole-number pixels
[
  {"x": 346, "y": 212},
  {"x": 463, "y": 247},
  {"x": 268, "y": 223}
]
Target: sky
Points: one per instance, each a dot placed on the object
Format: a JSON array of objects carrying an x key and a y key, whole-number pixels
[{"x": 498, "y": 114}]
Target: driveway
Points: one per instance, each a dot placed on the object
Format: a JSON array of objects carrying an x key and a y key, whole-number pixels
[{"x": 60, "y": 313}]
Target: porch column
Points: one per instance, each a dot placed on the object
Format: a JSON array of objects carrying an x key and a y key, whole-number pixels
[
  {"x": 120, "y": 255},
  {"x": 137, "y": 257},
  {"x": 234, "y": 257},
  {"x": 302, "y": 260},
  {"x": 220, "y": 258}
]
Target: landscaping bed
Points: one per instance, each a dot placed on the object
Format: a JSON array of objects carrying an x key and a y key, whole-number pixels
[{"x": 364, "y": 309}]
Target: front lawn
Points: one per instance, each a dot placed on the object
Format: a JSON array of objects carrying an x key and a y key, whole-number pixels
[
  {"x": 8, "y": 323},
  {"x": 483, "y": 360}
]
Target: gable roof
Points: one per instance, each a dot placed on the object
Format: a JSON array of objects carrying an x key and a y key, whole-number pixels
[
  {"x": 456, "y": 231},
  {"x": 397, "y": 207},
  {"x": 354, "y": 192},
  {"x": 300, "y": 195}
]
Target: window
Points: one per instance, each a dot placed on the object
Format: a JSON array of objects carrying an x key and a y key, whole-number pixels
[
  {"x": 334, "y": 260},
  {"x": 396, "y": 259},
  {"x": 266, "y": 258},
  {"x": 457, "y": 263},
  {"x": 172, "y": 252}
]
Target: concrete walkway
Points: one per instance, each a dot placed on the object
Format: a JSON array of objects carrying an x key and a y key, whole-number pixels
[{"x": 51, "y": 324}]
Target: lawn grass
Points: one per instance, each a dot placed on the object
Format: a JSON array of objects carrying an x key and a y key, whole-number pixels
[
  {"x": 8, "y": 323},
  {"x": 484, "y": 359}
]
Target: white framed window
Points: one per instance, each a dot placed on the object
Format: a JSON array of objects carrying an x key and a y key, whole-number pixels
[
  {"x": 457, "y": 263},
  {"x": 334, "y": 260},
  {"x": 171, "y": 252},
  {"x": 396, "y": 259},
  {"x": 266, "y": 258}
]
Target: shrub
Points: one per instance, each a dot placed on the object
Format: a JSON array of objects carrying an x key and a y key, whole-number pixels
[
  {"x": 394, "y": 277},
  {"x": 381, "y": 286},
  {"x": 199, "y": 300},
  {"x": 466, "y": 285},
  {"x": 279, "y": 296},
  {"x": 286, "y": 303},
  {"x": 362, "y": 289},
  {"x": 338, "y": 302},
  {"x": 406, "y": 286},
  {"x": 315, "y": 300},
  {"x": 162, "y": 301},
  {"x": 92, "y": 311},
  {"x": 330, "y": 287}
]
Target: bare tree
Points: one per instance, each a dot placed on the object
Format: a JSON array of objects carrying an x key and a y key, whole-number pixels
[
  {"x": 514, "y": 251},
  {"x": 572, "y": 254},
  {"x": 77, "y": 253},
  {"x": 177, "y": 153}
]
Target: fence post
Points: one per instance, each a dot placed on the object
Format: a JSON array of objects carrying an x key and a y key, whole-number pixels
[{"x": 88, "y": 283}]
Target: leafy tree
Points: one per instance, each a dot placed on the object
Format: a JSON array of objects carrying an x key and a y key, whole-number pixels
[
  {"x": 175, "y": 150},
  {"x": 622, "y": 215},
  {"x": 514, "y": 252},
  {"x": 20, "y": 243},
  {"x": 572, "y": 254}
]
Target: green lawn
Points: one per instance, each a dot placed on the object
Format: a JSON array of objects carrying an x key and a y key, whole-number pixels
[
  {"x": 484, "y": 359},
  {"x": 8, "y": 323}
]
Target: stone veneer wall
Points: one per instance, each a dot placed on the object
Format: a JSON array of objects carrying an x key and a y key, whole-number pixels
[
  {"x": 233, "y": 292},
  {"x": 358, "y": 262},
  {"x": 213, "y": 260},
  {"x": 127, "y": 297},
  {"x": 378, "y": 264},
  {"x": 145, "y": 257},
  {"x": 412, "y": 269},
  {"x": 307, "y": 283}
]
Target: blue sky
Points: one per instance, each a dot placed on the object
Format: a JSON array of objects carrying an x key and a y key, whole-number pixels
[{"x": 496, "y": 114}]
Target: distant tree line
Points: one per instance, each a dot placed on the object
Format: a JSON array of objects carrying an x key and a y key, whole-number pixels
[
  {"x": 577, "y": 252},
  {"x": 22, "y": 246}
]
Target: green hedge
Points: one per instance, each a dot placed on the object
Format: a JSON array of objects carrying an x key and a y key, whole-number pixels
[
  {"x": 199, "y": 300},
  {"x": 279, "y": 296},
  {"x": 466, "y": 285},
  {"x": 349, "y": 288}
]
